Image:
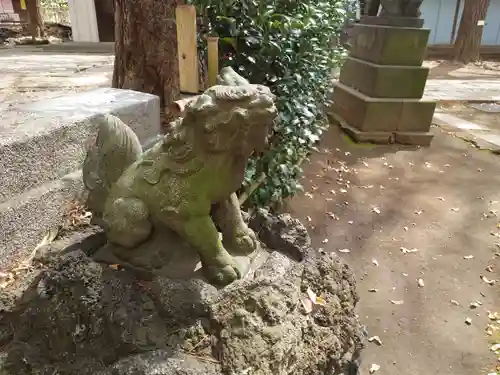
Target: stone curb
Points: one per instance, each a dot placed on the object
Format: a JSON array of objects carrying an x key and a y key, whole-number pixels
[
  {"x": 467, "y": 131},
  {"x": 42, "y": 148}
]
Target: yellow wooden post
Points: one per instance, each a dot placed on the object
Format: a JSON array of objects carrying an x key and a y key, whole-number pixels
[
  {"x": 185, "y": 16},
  {"x": 213, "y": 59}
]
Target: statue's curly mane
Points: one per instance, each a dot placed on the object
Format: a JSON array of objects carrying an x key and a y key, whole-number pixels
[{"x": 218, "y": 110}]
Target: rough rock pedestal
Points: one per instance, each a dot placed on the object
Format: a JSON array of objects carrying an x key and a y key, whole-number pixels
[
  {"x": 378, "y": 97},
  {"x": 70, "y": 315}
]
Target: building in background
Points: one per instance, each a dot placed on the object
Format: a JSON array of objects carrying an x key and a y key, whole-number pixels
[
  {"x": 443, "y": 18},
  {"x": 7, "y": 12},
  {"x": 93, "y": 20}
]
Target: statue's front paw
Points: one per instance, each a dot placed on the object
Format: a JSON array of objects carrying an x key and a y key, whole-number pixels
[
  {"x": 222, "y": 270},
  {"x": 244, "y": 242}
]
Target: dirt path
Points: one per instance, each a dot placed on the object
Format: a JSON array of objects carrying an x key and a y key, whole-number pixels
[{"x": 441, "y": 201}]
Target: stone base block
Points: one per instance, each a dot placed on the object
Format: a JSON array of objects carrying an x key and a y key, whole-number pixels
[
  {"x": 380, "y": 137},
  {"x": 386, "y": 115},
  {"x": 388, "y": 45},
  {"x": 382, "y": 120},
  {"x": 414, "y": 138},
  {"x": 384, "y": 81},
  {"x": 45, "y": 140}
]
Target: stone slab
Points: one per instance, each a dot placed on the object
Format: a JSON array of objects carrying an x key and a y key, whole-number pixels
[
  {"x": 381, "y": 114},
  {"x": 486, "y": 107},
  {"x": 25, "y": 219},
  {"x": 80, "y": 47},
  {"x": 177, "y": 261},
  {"x": 491, "y": 138},
  {"x": 393, "y": 21},
  {"x": 451, "y": 122},
  {"x": 459, "y": 90},
  {"x": 386, "y": 45},
  {"x": 384, "y": 81},
  {"x": 45, "y": 140}
]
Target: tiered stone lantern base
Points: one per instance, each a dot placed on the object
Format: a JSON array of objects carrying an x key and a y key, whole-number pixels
[{"x": 378, "y": 97}]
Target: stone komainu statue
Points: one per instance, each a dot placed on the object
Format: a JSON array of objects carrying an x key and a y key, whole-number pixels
[{"x": 187, "y": 181}]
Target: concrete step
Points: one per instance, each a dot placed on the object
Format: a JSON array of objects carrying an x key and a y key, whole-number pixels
[
  {"x": 45, "y": 140},
  {"x": 42, "y": 147},
  {"x": 26, "y": 218},
  {"x": 72, "y": 47}
]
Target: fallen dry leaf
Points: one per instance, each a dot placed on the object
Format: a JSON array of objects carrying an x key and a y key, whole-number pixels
[
  {"x": 314, "y": 298},
  {"x": 332, "y": 215},
  {"x": 492, "y": 329},
  {"x": 473, "y": 305},
  {"x": 488, "y": 281},
  {"x": 308, "y": 305},
  {"x": 407, "y": 251},
  {"x": 48, "y": 238},
  {"x": 400, "y": 302},
  {"x": 374, "y": 368},
  {"x": 6, "y": 279},
  {"x": 376, "y": 340},
  {"x": 493, "y": 316}
]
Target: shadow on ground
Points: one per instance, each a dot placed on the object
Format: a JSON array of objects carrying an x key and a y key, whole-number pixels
[{"x": 442, "y": 201}]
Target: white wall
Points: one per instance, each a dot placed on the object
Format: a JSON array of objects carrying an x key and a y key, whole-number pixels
[{"x": 83, "y": 20}]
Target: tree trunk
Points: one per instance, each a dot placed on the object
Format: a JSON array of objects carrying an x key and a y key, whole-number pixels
[
  {"x": 35, "y": 20},
  {"x": 146, "y": 49},
  {"x": 468, "y": 41}
]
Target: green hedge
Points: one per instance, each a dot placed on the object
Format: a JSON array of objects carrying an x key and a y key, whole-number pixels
[{"x": 290, "y": 46}]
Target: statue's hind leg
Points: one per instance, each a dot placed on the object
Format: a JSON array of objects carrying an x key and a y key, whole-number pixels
[{"x": 127, "y": 222}]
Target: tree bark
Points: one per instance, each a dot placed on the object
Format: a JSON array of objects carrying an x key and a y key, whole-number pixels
[
  {"x": 468, "y": 42},
  {"x": 146, "y": 49},
  {"x": 35, "y": 20}
]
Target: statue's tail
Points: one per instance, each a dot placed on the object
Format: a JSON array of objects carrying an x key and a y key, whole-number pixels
[{"x": 116, "y": 148}]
